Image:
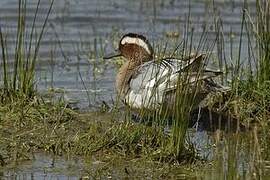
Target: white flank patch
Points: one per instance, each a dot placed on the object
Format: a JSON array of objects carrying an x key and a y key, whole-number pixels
[
  {"x": 134, "y": 100},
  {"x": 137, "y": 41}
]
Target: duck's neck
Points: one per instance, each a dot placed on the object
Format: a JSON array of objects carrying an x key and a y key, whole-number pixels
[{"x": 123, "y": 77}]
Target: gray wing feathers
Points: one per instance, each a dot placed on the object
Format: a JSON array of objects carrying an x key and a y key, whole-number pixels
[
  {"x": 154, "y": 73},
  {"x": 147, "y": 74}
]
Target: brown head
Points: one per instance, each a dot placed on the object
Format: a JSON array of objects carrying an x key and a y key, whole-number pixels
[{"x": 135, "y": 48}]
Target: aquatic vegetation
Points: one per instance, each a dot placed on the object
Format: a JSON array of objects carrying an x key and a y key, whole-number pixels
[
  {"x": 24, "y": 124},
  {"x": 19, "y": 74},
  {"x": 261, "y": 30},
  {"x": 249, "y": 100},
  {"x": 30, "y": 126}
]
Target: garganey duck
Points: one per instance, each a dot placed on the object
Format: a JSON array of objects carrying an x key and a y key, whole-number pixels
[{"x": 145, "y": 83}]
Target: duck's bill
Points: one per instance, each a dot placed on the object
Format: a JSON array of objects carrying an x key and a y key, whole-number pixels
[{"x": 117, "y": 53}]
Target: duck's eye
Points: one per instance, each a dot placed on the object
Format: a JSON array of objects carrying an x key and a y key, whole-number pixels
[{"x": 136, "y": 54}]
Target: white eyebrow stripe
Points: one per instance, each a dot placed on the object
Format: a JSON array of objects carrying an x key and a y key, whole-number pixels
[{"x": 138, "y": 41}]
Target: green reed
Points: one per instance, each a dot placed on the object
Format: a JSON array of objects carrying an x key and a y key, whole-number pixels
[
  {"x": 262, "y": 31},
  {"x": 249, "y": 97},
  {"x": 19, "y": 73},
  {"x": 249, "y": 101}
]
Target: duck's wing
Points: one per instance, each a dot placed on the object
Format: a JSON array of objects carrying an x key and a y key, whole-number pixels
[
  {"x": 193, "y": 63},
  {"x": 154, "y": 73},
  {"x": 150, "y": 73},
  {"x": 196, "y": 70}
]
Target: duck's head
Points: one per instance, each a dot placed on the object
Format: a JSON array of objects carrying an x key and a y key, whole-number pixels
[{"x": 133, "y": 47}]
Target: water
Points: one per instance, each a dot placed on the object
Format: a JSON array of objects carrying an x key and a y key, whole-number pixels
[
  {"x": 46, "y": 166},
  {"x": 66, "y": 61}
]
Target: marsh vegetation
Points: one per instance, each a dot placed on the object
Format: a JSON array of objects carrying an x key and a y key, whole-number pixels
[{"x": 106, "y": 135}]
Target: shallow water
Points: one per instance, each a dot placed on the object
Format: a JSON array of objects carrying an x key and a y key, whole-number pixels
[
  {"x": 66, "y": 59},
  {"x": 45, "y": 166}
]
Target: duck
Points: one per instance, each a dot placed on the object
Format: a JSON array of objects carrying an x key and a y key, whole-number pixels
[{"x": 146, "y": 83}]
